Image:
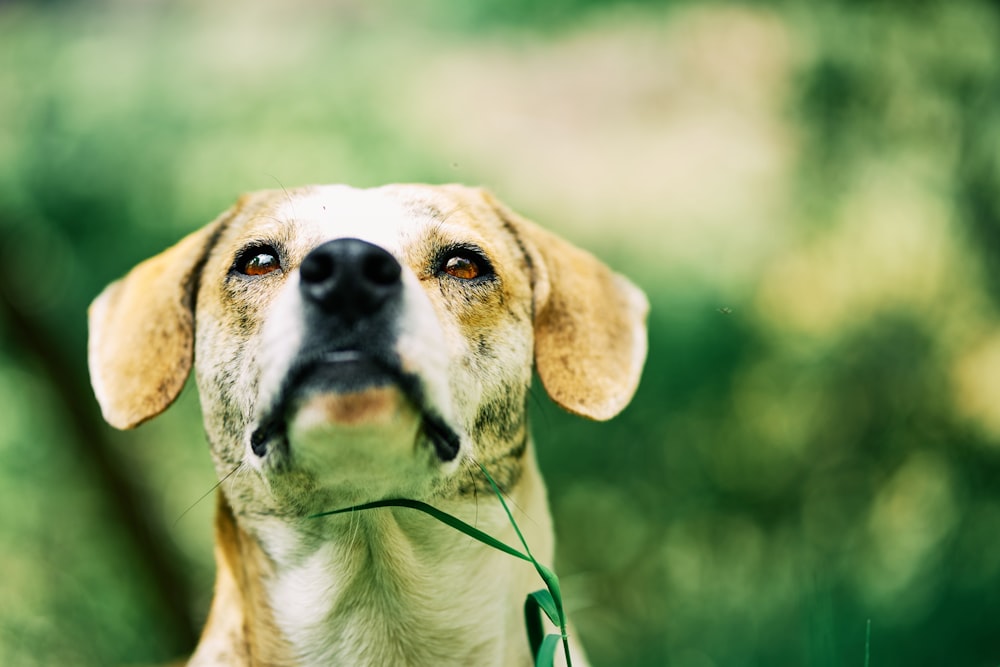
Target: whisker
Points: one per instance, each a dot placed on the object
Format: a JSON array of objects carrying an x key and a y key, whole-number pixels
[
  {"x": 475, "y": 488},
  {"x": 506, "y": 495},
  {"x": 535, "y": 397},
  {"x": 456, "y": 209},
  {"x": 288, "y": 197},
  {"x": 205, "y": 495},
  {"x": 355, "y": 528}
]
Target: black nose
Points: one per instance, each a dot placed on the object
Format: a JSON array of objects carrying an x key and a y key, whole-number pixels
[{"x": 350, "y": 278}]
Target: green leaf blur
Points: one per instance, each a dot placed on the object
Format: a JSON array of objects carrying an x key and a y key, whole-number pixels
[{"x": 808, "y": 192}]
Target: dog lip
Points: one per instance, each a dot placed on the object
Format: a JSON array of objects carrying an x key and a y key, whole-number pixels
[
  {"x": 446, "y": 441},
  {"x": 273, "y": 426}
]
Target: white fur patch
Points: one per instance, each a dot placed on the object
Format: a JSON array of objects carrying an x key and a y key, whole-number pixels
[{"x": 331, "y": 212}]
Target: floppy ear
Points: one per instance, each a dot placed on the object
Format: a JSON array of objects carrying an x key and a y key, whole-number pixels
[
  {"x": 141, "y": 342},
  {"x": 590, "y": 324}
]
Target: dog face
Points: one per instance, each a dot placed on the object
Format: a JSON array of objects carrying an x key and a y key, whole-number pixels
[
  {"x": 374, "y": 343},
  {"x": 353, "y": 345}
]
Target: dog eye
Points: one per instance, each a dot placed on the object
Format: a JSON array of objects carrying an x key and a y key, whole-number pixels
[
  {"x": 258, "y": 261},
  {"x": 465, "y": 264},
  {"x": 461, "y": 267}
]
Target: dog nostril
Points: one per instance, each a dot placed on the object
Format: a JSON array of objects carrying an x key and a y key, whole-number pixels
[
  {"x": 377, "y": 270},
  {"x": 316, "y": 268},
  {"x": 258, "y": 442}
]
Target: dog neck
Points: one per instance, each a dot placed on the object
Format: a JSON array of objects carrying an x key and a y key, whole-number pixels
[{"x": 379, "y": 587}]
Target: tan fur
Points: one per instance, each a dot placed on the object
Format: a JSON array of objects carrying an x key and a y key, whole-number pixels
[
  {"x": 385, "y": 586},
  {"x": 589, "y": 343},
  {"x": 364, "y": 407},
  {"x": 240, "y": 629},
  {"x": 139, "y": 363}
]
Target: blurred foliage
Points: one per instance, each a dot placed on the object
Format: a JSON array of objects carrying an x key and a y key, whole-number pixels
[
  {"x": 553, "y": 14},
  {"x": 810, "y": 194}
]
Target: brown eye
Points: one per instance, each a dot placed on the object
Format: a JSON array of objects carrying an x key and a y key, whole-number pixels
[
  {"x": 465, "y": 262},
  {"x": 258, "y": 261},
  {"x": 461, "y": 267}
]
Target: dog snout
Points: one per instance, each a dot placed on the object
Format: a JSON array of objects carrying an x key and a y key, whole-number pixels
[{"x": 349, "y": 278}]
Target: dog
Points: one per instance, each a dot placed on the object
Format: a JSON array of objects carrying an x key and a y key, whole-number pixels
[{"x": 352, "y": 345}]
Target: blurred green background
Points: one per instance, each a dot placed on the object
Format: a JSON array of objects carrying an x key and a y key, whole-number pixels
[{"x": 809, "y": 193}]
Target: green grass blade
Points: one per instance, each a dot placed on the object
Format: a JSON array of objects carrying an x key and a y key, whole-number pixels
[
  {"x": 510, "y": 516},
  {"x": 547, "y": 575},
  {"x": 543, "y": 599},
  {"x": 443, "y": 517},
  {"x": 549, "y": 601},
  {"x": 533, "y": 624},
  {"x": 552, "y": 583},
  {"x": 547, "y": 653}
]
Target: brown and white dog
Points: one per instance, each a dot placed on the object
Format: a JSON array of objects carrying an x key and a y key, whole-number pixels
[{"x": 356, "y": 345}]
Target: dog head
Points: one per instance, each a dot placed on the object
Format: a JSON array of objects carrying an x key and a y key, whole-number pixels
[{"x": 358, "y": 344}]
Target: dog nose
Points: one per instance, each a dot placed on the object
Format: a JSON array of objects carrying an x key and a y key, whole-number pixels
[{"x": 350, "y": 278}]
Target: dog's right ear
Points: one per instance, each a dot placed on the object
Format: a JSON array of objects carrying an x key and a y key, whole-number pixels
[
  {"x": 590, "y": 323},
  {"x": 141, "y": 340}
]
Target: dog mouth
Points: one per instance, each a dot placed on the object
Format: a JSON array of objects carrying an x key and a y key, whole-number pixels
[{"x": 343, "y": 373}]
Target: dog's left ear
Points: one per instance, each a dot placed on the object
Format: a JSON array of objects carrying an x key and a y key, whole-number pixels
[
  {"x": 141, "y": 338},
  {"x": 590, "y": 323}
]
